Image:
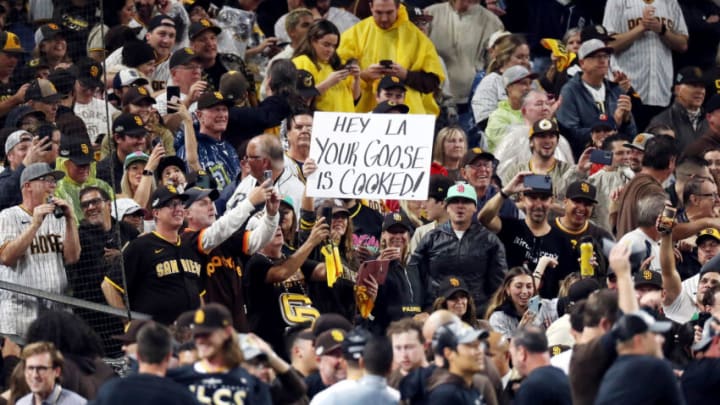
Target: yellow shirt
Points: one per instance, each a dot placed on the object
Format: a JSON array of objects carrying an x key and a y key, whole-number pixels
[
  {"x": 403, "y": 43},
  {"x": 338, "y": 97}
]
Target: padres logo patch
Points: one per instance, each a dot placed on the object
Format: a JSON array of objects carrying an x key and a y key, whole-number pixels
[
  {"x": 647, "y": 275},
  {"x": 205, "y": 22},
  {"x": 84, "y": 148},
  {"x": 397, "y": 217},
  {"x": 454, "y": 282},
  {"x": 53, "y": 26},
  {"x": 585, "y": 187},
  {"x": 218, "y": 95},
  {"x": 545, "y": 124},
  {"x": 94, "y": 71},
  {"x": 138, "y": 120},
  {"x": 337, "y": 335}
]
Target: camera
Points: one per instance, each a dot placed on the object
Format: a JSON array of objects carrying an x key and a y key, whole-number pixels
[{"x": 57, "y": 211}]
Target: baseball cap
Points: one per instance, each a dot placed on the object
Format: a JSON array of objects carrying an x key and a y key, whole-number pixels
[
  {"x": 397, "y": 219},
  {"x": 167, "y": 161},
  {"x": 415, "y": 14},
  {"x": 639, "y": 141},
  {"x": 76, "y": 149},
  {"x": 136, "y": 95},
  {"x": 648, "y": 277},
  {"x": 439, "y": 185},
  {"x": 48, "y": 31},
  {"x": 128, "y": 77},
  {"x": 329, "y": 340},
  {"x": 595, "y": 32},
  {"x": 200, "y": 178},
  {"x": 516, "y": 73},
  {"x": 336, "y": 207},
  {"x": 15, "y": 138},
  {"x": 354, "y": 343},
  {"x": 713, "y": 104},
  {"x": 198, "y": 193},
  {"x": 708, "y": 334},
  {"x": 125, "y": 206},
  {"x": 63, "y": 79},
  {"x": 690, "y": 75},
  {"x": 201, "y": 26},
  {"x": 136, "y": 156},
  {"x": 387, "y": 106},
  {"x": 707, "y": 233},
  {"x": 462, "y": 190},
  {"x": 37, "y": 170},
  {"x": 161, "y": 20},
  {"x": 712, "y": 266},
  {"x": 10, "y": 43},
  {"x": 496, "y": 36},
  {"x": 233, "y": 85},
  {"x": 581, "y": 190},
  {"x": 450, "y": 285},
  {"x": 582, "y": 289},
  {"x": 137, "y": 53},
  {"x": 129, "y": 124},
  {"x": 603, "y": 121},
  {"x": 15, "y": 116},
  {"x": 210, "y": 318},
  {"x": 477, "y": 153},
  {"x": 211, "y": 99},
  {"x": 635, "y": 323},
  {"x": 182, "y": 56},
  {"x": 42, "y": 90},
  {"x": 131, "y": 331},
  {"x": 593, "y": 46},
  {"x": 89, "y": 73},
  {"x": 391, "y": 82},
  {"x": 455, "y": 333},
  {"x": 163, "y": 194},
  {"x": 306, "y": 84},
  {"x": 288, "y": 200},
  {"x": 545, "y": 126},
  {"x": 328, "y": 321}
]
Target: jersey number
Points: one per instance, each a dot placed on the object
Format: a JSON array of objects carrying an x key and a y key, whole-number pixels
[{"x": 297, "y": 308}]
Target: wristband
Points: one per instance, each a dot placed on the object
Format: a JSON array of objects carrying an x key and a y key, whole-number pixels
[
  {"x": 663, "y": 30},
  {"x": 146, "y": 172}
]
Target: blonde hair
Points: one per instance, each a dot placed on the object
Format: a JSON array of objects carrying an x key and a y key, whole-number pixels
[
  {"x": 442, "y": 136},
  {"x": 126, "y": 189},
  {"x": 504, "y": 49}
]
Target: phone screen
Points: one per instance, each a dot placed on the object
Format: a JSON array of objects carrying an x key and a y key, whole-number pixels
[
  {"x": 538, "y": 182},
  {"x": 173, "y": 96}
]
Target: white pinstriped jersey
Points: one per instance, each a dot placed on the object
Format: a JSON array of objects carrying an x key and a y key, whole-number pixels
[
  {"x": 647, "y": 62},
  {"x": 41, "y": 267}
]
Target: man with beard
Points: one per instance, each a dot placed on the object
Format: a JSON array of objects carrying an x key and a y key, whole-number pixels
[
  {"x": 477, "y": 169},
  {"x": 216, "y": 155},
  {"x": 706, "y": 246},
  {"x": 299, "y": 130},
  {"x": 637, "y": 150},
  {"x": 575, "y": 224},
  {"x": 478, "y": 256},
  {"x": 407, "y": 342},
  {"x": 527, "y": 240},
  {"x": 218, "y": 377},
  {"x": 610, "y": 178},
  {"x": 101, "y": 240}
]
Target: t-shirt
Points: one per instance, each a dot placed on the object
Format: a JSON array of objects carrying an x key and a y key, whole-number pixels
[
  {"x": 163, "y": 277},
  {"x": 235, "y": 386},
  {"x": 544, "y": 385},
  {"x": 367, "y": 226},
  {"x": 588, "y": 364},
  {"x": 597, "y": 233},
  {"x": 523, "y": 247},
  {"x": 634, "y": 379},
  {"x": 96, "y": 120},
  {"x": 638, "y": 240},
  {"x": 682, "y": 309},
  {"x": 143, "y": 389},
  {"x": 274, "y": 307},
  {"x": 314, "y": 384},
  {"x": 701, "y": 381}
]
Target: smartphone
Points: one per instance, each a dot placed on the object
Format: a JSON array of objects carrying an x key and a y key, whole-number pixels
[
  {"x": 534, "y": 304},
  {"x": 327, "y": 214},
  {"x": 386, "y": 63},
  {"x": 538, "y": 182},
  {"x": 172, "y": 96},
  {"x": 267, "y": 175},
  {"x": 46, "y": 131},
  {"x": 666, "y": 219},
  {"x": 155, "y": 142},
  {"x": 603, "y": 157},
  {"x": 350, "y": 62},
  {"x": 282, "y": 44}
]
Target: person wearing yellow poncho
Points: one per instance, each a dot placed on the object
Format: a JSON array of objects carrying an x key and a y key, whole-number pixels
[
  {"x": 390, "y": 36},
  {"x": 338, "y": 85}
]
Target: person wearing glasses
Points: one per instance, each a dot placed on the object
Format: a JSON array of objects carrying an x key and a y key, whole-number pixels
[
  {"x": 43, "y": 365},
  {"x": 37, "y": 239}
]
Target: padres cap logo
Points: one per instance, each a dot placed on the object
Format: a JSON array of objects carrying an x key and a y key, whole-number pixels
[
  {"x": 454, "y": 282},
  {"x": 397, "y": 217},
  {"x": 391, "y": 102},
  {"x": 53, "y": 26},
  {"x": 94, "y": 71},
  {"x": 603, "y": 117},
  {"x": 308, "y": 81},
  {"x": 34, "y": 62},
  {"x": 584, "y": 187},
  {"x": 199, "y": 314},
  {"x": 640, "y": 138},
  {"x": 172, "y": 189},
  {"x": 138, "y": 120},
  {"x": 461, "y": 188},
  {"x": 647, "y": 275},
  {"x": 395, "y": 79},
  {"x": 84, "y": 148},
  {"x": 218, "y": 95},
  {"x": 189, "y": 51},
  {"x": 337, "y": 335},
  {"x": 205, "y": 23},
  {"x": 477, "y": 150},
  {"x": 545, "y": 124},
  {"x": 142, "y": 91},
  {"x": 556, "y": 350}
]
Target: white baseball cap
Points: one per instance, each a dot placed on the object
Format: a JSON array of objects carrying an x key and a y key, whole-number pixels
[
  {"x": 125, "y": 206},
  {"x": 592, "y": 46}
]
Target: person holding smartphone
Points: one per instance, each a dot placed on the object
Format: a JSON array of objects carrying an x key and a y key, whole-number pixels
[{"x": 338, "y": 82}]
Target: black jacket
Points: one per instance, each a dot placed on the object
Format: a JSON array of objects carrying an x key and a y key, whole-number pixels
[
  {"x": 478, "y": 258},
  {"x": 400, "y": 296},
  {"x": 676, "y": 117}
]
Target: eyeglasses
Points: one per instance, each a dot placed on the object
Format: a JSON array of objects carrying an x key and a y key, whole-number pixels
[
  {"x": 38, "y": 369},
  {"x": 88, "y": 203},
  {"x": 481, "y": 165},
  {"x": 174, "y": 204},
  {"x": 47, "y": 179},
  {"x": 248, "y": 157},
  {"x": 713, "y": 195}
]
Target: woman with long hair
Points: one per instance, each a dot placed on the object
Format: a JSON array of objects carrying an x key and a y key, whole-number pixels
[
  {"x": 449, "y": 150},
  {"x": 510, "y": 51},
  {"x": 508, "y": 307},
  {"x": 337, "y": 82},
  {"x": 455, "y": 297}
]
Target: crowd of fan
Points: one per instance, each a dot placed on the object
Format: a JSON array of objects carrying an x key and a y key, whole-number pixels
[{"x": 156, "y": 155}]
